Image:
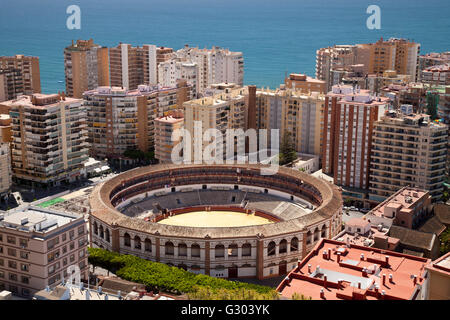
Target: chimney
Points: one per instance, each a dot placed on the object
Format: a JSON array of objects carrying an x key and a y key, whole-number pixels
[
  {"x": 359, "y": 284},
  {"x": 322, "y": 293},
  {"x": 364, "y": 272},
  {"x": 329, "y": 253},
  {"x": 324, "y": 254},
  {"x": 383, "y": 293},
  {"x": 384, "y": 278},
  {"x": 325, "y": 280},
  {"x": 387, "y": 260},
  {"x": 298, "y": 264},
  {"x": 309, "y": 268},
  {"x": 362, "y": 256},
  {"x": 391, "y": 278},
  {"x": 338, "y": 255},
  {"x": 415, "y": 279}
]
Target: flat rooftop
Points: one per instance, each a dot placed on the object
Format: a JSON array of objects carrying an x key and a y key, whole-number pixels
[
  {"x": 334, "y": 270},
  {"x": 404, "y": 198},
  {"x": 35, "y": 219}
]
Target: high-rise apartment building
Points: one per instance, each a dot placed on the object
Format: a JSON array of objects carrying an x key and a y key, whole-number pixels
[
  {"x": 86, "y": 67},
  {"x": 333, "y": 58},
  {"x": 37, "y": 247},
  {"x": 223, "y": 111},
  {"x": 29, "y": 68},
  {"x": 131, "y": 66},
  {"x": 395, "y": 54},
  {"x": 164, "y": 128},
  {"x": 170, "y": 71},
  {"x": 216, "y": 65},
  {"x": 292, "y": 111},
  {"x": 5, "y": 169},
  {"x": 48, "y": 139},
  {"x": 11, "y": 84},
  {"x": 408, "y": 150},
  {"x": 349, "y": 115},
  {"x": 121, "y": 119}
]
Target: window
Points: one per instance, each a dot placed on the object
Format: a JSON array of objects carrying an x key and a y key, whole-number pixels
[
  {"x": 25, "y": 280},
  {"x": 182, "y": 250},
  {"x": 81, "y": 230},
  {"x": 2, "y": 275},
  {"x": 24, "y": 267},
  {"x": 220, "y": 251},
  {"x": 283, "y": 246},
  {"x": 11, "y": 240},
  {"x": 271, "y": 248},
  {"x": 24, "y": 255},
  {"x": 71, "y": 235},
  {"x": 137, "y": 243},
  {"x": 195, "y": 251},
  {"x": 11, "y": 252},
  {"x": 126, "y": 240},
  {"x": 81, "y": 242},
  {"x": 72, "y": 245},
  {"x": 148, "y": 245},
  {"x": 52, "y": 243},
  {"x": 23, "y": 243},
  {"x": 82, "y": 264},
  {"x": 1, "y": 262},
  {"x": 51, "y": 269},
  {"x": 233, "y": 250},
  {"x": 64, "y": 237},
  {"x": 25, "y": 292},
  {"x": 169, "y": 248},
  {"x": 81, "y": 253},
  {"x": 72, "y": 258},
  {"x": 12, "y": 264},
  {"x": 294, "y": 244},
  {"x": 246, "y": 250},
  {"x": 64, "y": 249},
  {"x": 13, "y": 277},
  {"x": 52, "y": 256},
  {"x": 64, "y": 261},
  {"x": 54, "y": 279}
]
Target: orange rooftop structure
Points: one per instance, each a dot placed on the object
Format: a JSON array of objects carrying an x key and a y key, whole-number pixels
[{"x": 334, "y": 270}]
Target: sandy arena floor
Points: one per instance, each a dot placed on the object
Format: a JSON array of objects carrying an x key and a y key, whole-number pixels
[{"x": 215, "y": 219}]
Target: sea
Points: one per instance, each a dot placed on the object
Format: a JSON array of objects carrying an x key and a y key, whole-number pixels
[{"x": 276, "y": 36}]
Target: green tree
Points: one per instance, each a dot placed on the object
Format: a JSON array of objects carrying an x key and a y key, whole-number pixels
[{"x": 287, "y": 149}]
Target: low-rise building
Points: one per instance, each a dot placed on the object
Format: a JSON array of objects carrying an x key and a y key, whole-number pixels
[
  {"x": 408, "y": 207},
  {"x": 334, "y": 270},
  {"x": 37, "y": 246},
  {"x": 439, "y": 283}
]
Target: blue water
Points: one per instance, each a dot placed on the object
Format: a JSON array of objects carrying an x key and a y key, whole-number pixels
[{"x": 276, "y": 36}]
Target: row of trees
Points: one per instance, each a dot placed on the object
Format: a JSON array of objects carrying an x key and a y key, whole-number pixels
[{"x": 161, "y": 277}]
